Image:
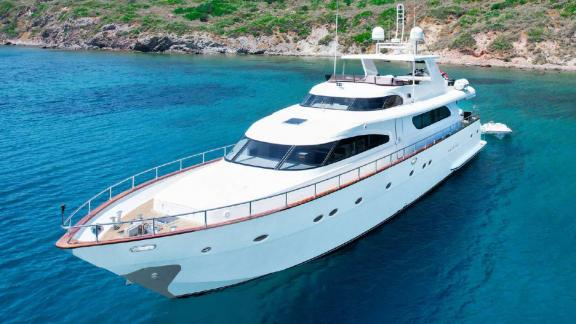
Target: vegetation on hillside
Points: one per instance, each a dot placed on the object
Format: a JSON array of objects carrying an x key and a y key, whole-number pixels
[{"x": 460, "y": 20}]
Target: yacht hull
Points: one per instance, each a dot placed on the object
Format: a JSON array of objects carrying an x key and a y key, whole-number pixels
[{"x": 196, "y": 262}]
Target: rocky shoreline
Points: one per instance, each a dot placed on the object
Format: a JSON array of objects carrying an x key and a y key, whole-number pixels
[{"x": 119, "y": 37}]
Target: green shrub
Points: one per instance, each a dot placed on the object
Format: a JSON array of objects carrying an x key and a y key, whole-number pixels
[
  {"x": 535, "y": 34},
  {"x": 506, "y": 4},
  {"x": 464, "y": 41},
  {"x": 5, "y": 7},
  {"x": 325, "y": 40},
  {"x": 467, "y": 21},
  {"x": 569, "y": 9},
  {"x": 501, "y": 44},
  {"x": 208, "y": 8},
  {"x": 11, "y": 29},
  {"x": 444, "y": 12},
  {"x": 361, "y": 4},
  {"x": 361, "y": 16},
  {"x": 381, "y": 2},
  {"x": 80, "y": 12},
  {"x": 363, "y": 38},
  {"x": 387, "y": 18},
  {"x": 267, "y": 23}
]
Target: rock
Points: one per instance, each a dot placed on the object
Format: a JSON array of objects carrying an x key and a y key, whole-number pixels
[
  {"x": 109, "y": 27},
  {"x": 98, "y": 41},
  {"x": 154, "y": 44}
]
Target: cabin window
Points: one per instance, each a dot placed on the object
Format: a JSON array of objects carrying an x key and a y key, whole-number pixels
[
  {"x": 306, "y": 157},
  {"x": 237, "y": 148},
  {"x": 430, "y": 117},
  {"x": 261, "y": 154},
  {"x": 355, "y": 145},
  {"x": 301, "y": 157},
  {"x": 376, "y": 103},
  {"x": 352, "y": 104}
]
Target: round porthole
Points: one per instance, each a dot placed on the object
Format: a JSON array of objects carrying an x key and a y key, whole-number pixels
[
  {"x": 388, "y": 185},
  {"x": 429, "y": 162},
  {"x": 476, "y": 131},
  {"x": 423, "y": 165},
  {"x": 333, "y": 212},
  {"x": 412, "y": 173},
  {"x": 359, "y": 200},
  {"x": 470, "y": 135},
  {"x": 206, "y": 249},
  {"x": 318, "y": 218},
  {"x": 261, "y": 238}
]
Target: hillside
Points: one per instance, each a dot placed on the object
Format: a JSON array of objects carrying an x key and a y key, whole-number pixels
[{"x": 523, "y": 33}]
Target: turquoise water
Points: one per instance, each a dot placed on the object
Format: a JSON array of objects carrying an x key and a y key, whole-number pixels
[{"x": 494, "y": 243}]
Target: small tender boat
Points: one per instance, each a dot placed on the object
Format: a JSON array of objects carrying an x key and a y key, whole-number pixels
[
  {"x": 301, "y": 182},
  {"x": 498, "y": 129}
]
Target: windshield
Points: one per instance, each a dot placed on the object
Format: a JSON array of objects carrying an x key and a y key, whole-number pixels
[
  {"x": 301, "y": 157},
  {"x": 354, "y": 104},
  {"x": 260, "y": 154}
]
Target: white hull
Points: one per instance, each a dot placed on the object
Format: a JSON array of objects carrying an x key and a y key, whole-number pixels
[{"x": 177, "y": 267}]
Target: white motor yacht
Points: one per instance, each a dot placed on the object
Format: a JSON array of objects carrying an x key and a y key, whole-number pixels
[{"x": 302, "y": 182}]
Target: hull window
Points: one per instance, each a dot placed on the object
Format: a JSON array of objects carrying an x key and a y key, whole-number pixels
[
  {"x": 430, "y": 117},
  {"x": 261, "y": 238}
]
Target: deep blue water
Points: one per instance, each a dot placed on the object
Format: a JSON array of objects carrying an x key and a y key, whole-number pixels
[{"x": 494, "y": 243}]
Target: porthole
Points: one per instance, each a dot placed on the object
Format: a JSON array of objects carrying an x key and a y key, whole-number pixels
[
  {"x": 261, "y": 238},
  {"x": 476, "y": 131},
  {"x": 412, "y": 173},
  {"x": 318, "y": 218},
  {"x": 388, "y": 185},
  {"x": 470, "y": 135},
  {"x": 206, "y": 249},
  {"x": 429, "y": 162},
  {"x": 333, "y": 212},
  {"x": 359, "y": 200},
  {"x": 423, "y": 165}
]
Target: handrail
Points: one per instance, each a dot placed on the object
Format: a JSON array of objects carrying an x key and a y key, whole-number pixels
[
  {"x": 133, "y": 180},
  {"x": 343, "y": 179}
]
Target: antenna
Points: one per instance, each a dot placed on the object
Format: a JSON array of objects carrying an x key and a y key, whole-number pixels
[
  {"x": 414, "y": 13},
  {"x": 336, "y": 39}
]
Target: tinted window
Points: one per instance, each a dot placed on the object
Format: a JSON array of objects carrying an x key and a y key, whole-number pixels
[
  {"x": 306, "y": 157},
  {"x": 236, "y": 148},
  {"x": 351, "y": 146},
  {"x": 267, "y": 155},
  {"x": 430, "y": 117},
  {"x": 355, "y": 104},
  {"x": 327, "y": 102},
  {"x": 262, "y": 154}
]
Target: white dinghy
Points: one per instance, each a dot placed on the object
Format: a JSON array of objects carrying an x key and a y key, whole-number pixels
[{"x": 498, "y": 129}]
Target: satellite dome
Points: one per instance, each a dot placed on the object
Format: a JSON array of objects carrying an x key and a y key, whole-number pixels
[
  {"x": 416, "y": 34},
  {"x": 378, "y": 34}
]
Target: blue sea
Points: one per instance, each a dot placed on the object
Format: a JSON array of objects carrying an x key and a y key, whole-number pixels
[{"x": 496, "y": 243}]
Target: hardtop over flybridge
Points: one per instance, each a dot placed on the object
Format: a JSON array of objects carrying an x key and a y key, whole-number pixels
[{"x": 301, "y": 182}]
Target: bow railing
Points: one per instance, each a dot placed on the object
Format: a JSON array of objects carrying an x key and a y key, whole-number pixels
[
  {"x": 242, "y": 211},
  {"x": 143, "y": 178}
]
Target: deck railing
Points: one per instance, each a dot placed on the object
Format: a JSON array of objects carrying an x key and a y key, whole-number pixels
[
  {"x": 145, "y": 177},
  {"x": 259, "y": 207}
]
